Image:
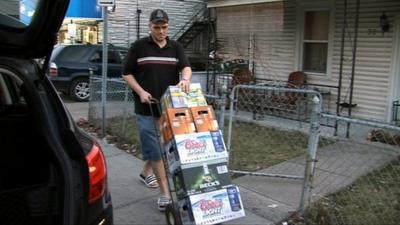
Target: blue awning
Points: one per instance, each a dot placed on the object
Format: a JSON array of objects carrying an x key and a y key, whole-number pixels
[{"x": 84, "y": 9}]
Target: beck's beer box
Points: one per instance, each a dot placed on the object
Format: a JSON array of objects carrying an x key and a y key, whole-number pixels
[
  {"x": 204, "y": 118},
  {"x": 174, "y": 97},
  {"x": 194, "y": 148},
  {"x": 212, "y": 207},
  {"x": 201, "y": 178}
]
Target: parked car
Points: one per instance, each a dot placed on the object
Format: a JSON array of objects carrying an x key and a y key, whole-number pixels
[
  {"x": 51, "y": 172},
  {"x": 72, "y": 65}
]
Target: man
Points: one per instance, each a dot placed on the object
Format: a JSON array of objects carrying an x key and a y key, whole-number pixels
[{"x": 153, "y": 63}]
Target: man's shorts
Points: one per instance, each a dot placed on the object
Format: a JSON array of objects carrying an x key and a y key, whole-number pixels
[{"x": 149, "y": 141}]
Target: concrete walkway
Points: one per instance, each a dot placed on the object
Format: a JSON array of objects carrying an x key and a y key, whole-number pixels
[{"x": 338, "y": 166}]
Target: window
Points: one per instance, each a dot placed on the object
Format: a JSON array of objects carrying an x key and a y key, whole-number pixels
[
  {"x": 315, "y": 41},
  {"x": 113, "y": 57},
  {"x": 96, "y": 58},
  {"x": 122, "y": 54},
  {"x": 72, "y": 53},
  {"x": 22, "y": 12}
]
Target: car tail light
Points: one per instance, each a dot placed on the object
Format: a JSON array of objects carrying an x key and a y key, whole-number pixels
[
  {"x": 53, "y": 71},
  {"x": 97, "y": 173}
]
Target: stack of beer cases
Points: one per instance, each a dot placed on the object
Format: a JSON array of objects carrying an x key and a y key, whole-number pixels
[{"x": 197, "y": 159}]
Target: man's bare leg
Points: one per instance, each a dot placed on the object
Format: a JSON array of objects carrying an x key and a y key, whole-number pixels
[
  {"x": 159, "y": 171},
  {"x": 147, "y": 169}
]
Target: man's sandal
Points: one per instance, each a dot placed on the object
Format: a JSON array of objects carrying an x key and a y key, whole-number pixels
[
  {"x": 163, "y": 202},
  {"x": 150, "y": 181}
]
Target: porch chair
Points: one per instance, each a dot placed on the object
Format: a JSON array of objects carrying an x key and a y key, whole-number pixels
[
  {"x": 286, "y": 101},
  {"x": 242, "y": 76},
  {"x": 296, "y": 80}
]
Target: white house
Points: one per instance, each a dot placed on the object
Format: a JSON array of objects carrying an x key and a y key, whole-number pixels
[
  {"x": 279, "y": 37},
  {"x": 129, "y": 20}
]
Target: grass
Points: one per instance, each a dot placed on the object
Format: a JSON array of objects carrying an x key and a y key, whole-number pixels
[
  {"x": 253, "y": 146},
  {"x": 373, "y": 199}
]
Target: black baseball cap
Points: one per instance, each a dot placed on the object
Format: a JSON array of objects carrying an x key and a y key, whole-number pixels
[{"x": 158, "y": 15}]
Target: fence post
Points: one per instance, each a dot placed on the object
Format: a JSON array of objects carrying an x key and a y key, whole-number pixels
[
  {"x": 221, "y": 102},
  {"x": 311, "y": 153},
  {"x": 125, "y": 111}
]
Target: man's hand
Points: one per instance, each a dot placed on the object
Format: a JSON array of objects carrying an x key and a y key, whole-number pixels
[
  {"x": 145, "y": 97},
  {"x": 184, "y": 84}
]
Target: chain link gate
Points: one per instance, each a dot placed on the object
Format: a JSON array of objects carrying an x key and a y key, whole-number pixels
[
  {"x": 266, "y": 135},
  {"x": 338, "y": 180},
  {"x": 356, "y": 180}
]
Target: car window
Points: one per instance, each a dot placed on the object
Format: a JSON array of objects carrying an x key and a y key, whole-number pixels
[
  {"x": 96, "y": 57},
  {"x": 122, "y": 54},
  {"x": 17, "y": 13},
  {"x": 55, "y": 52},
  {"x": 72, "y": 53},
  {"x": 113, "y": 57}
]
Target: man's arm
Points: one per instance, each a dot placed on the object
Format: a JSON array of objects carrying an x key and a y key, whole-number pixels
[
  {"x": 184, "y": 83},
  {"x": 186, "y": 73},
  {"x": 145, "y": 97}
]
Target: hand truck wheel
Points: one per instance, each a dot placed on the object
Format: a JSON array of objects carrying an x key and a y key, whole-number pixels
[{"x": 172, "y": 215}]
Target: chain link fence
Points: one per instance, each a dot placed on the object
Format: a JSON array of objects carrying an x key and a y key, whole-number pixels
[
  {"x": 321, "y": 178},
  {"x": 356, "y": 180},
  {"x": 278, "y": 145},
  {"x": 118, "y": 110}
]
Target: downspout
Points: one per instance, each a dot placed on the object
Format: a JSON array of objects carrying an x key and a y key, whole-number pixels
[
  {"x": 138, "y": 12},
  {"x": 341, "y": 66},
  {"x": 208, "y": 47},
  {"x": 353, "y": 64}
]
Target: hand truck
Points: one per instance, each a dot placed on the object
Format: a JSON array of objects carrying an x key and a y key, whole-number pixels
[{"x": 172, "y": 210}]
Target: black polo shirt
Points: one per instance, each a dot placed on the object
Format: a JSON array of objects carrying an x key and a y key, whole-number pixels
[{"x": 154, "y": 68}]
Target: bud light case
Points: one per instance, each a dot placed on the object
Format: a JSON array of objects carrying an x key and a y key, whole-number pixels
[
  {"x": 192, "y": 148},
  {"x": 174, "y": 97},
  {"x": 211, "y": 207},
  {"x": 218, "y": 141},
  {"x": 203, "y": 177}
]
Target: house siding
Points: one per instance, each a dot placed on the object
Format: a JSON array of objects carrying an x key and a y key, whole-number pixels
[
  {"x": 122, "y": 23},
  {"x": 373, "y": 57},
  {"x": 266, "y": 27},
  {"x": 276, "y": 54}
]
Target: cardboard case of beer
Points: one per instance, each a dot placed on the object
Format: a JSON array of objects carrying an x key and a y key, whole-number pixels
[
  {"x": 180, "y": 121},
  {"x": 194, "y": 148},
  {"x": 212, "y": 207},
  {"x": 195, "y": 96},
  {"x": 174, "y": 97},
  {"x": 165, "y": 129},
  {"x": 201, "y": 178},
  {"x": 204, "y": 118}
]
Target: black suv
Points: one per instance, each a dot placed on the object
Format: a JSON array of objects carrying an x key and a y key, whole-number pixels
[
  {"x": 72, "y": 65},
  {"x": 51, "y": 172}
]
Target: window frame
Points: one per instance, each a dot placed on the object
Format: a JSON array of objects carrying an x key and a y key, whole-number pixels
[{"x": 300, "y": 40}]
